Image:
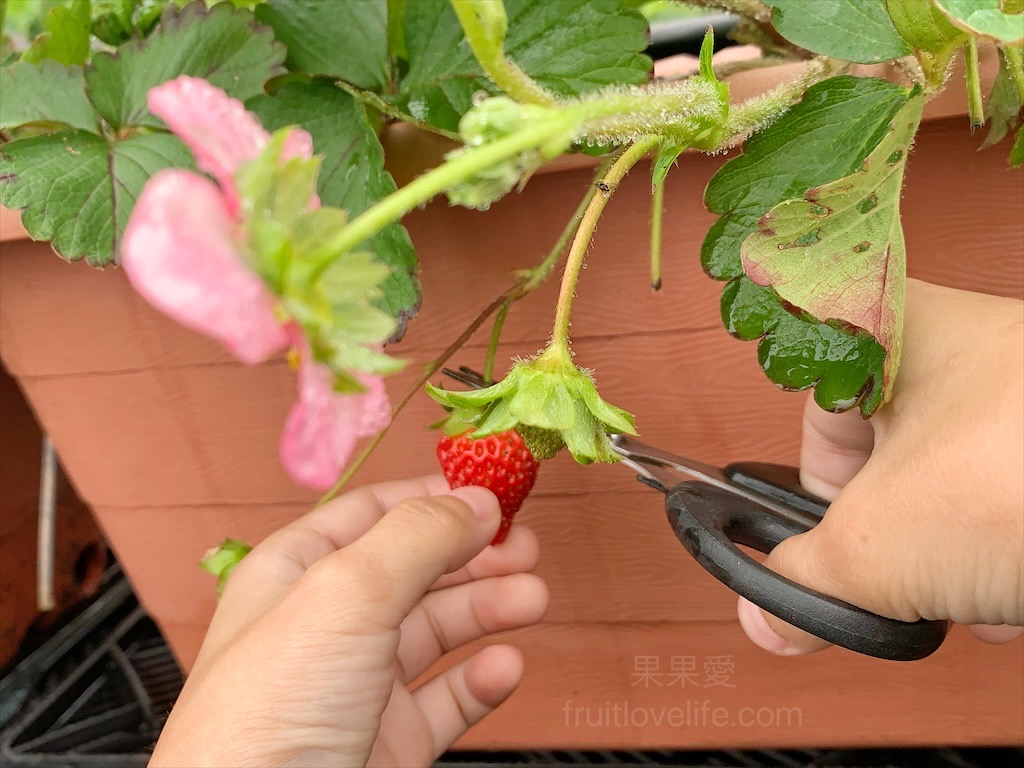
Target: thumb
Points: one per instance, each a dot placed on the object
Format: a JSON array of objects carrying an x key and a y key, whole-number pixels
[
  {"x": 804, "y": 560},
  {"x": 383, "y": 575},
  {"x": 834, "y": 448}
]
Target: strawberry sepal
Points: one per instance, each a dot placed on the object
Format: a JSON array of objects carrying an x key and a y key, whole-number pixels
[{"x": 548, "y": 395}]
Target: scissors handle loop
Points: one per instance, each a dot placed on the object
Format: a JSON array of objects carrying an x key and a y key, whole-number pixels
[{"x": 709, "y": 522}]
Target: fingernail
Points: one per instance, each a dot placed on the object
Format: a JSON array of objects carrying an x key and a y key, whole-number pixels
[
  {"x": 481, "y": 501},
  {"x": 756, "y": 626},
  {"x": 997, "y": 633}
]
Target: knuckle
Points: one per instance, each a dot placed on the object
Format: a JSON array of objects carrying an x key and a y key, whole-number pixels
[
  {"x": 444, "y": 516},
  {"x": 355, "y": 575}
]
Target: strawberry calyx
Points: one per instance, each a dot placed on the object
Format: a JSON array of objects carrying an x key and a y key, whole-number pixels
[
  {"x": 550, "y": 399},
  {"x": 222, "y": 560}
]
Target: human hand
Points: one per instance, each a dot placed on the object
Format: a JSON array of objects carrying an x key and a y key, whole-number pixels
[
  {"x": 324, "y": 625},
  {"x": 928, "y": 513}
]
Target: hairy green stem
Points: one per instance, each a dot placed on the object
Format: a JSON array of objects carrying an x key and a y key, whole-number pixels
[
  {"x": 580, "y": 243},
  {"x": 423, "y": 189},
  {"x": 1015, "y": 63},
  {"x": 372, "y": 100},
  {"x": 486, "y": 41},
  {"x": 755, "y": 113},
  {"x": 533, "y": 278},
  {"x": 657, "y": 212},
  {"x": 616, "y": 115},
  {"x": 527, "y": 280},
  {"x": 668, "y": 108}
]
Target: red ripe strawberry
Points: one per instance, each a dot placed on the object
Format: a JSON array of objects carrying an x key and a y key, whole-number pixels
[{"x": 501, "y": 463}]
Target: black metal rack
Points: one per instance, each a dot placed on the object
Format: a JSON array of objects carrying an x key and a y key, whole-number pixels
[{"x": 95, "y": 694}]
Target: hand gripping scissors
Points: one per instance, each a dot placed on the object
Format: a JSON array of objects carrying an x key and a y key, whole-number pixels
[{"x": 713, "y": 509}]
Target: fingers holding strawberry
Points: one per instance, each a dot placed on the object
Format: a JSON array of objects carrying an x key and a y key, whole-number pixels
[
  {"x": 502, "y": 463},
  {"x": 497, "y": 435}
]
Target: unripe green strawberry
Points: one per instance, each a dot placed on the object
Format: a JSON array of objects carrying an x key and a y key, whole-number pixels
[{"x": 543, "y": 443}]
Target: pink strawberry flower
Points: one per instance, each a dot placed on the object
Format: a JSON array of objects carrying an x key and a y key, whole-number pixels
[{"x": 185, "y": 251}]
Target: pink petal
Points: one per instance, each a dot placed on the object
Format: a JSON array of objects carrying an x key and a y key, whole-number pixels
[
  {"x": 298, "y": 143},
  {"x": 323, "y": 426},
  {"x": 216, "y": 127},
  {"x": 376, "y": 406},
  {"x": 180, "y": 254}
]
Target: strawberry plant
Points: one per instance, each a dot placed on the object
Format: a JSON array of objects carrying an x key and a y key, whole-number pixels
[{"x": 227, "y": 156}]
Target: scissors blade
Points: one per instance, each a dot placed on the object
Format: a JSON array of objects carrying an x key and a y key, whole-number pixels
[
  {"x": 665, "y": 470},
  {"x": 657, "y": 468},
  {"x": 467, "y": 376}
]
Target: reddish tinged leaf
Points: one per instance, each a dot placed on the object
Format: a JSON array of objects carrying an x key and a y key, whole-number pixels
[{"x": 838, "y": 253}]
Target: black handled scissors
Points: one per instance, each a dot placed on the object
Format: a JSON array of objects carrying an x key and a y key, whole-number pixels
[{"x": 713, "y": 509}]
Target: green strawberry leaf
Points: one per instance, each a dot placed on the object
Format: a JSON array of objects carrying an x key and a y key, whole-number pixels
[
  {"x": 66, "y": 39},
  {"x": 345, "y": 40},
  {"x": 222, "y": 45},
  {"x": 352, "y": 174},
  {"x": 854, "y": 30},
  {"x": 78, "y": 189},
  {"x": 924, "y": 26},
  {"x": 837, "y": 253},
  {"x": 797, "y": 352},
  {"x": 825, "y": 136},
  {"x": 1002, "y": 109},
  {"x": 570, "y": 47},
  {"x": 46, "y": 92},
  {"x": 985, "y": 18}
]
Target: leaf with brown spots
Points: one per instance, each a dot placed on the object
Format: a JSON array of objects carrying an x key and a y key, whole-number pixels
[{"x": 837, "y": 253}]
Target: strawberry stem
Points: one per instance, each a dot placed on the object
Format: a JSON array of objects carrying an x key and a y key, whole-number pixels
[
  {"x": 528, "y": 280},
  {"x": 578, "y": 250},
  {"x": 657, "y": 212},
  {"x": 475, "y": 16},
  {"x": 540, "y": 273},
  {"x": 424, "y": 188},
  {"x": 1015, "y": 64},
  {"x": 975, "y": 100},
  {"x": 492, "y": 347},
  {"x": 373, "y": 101}
]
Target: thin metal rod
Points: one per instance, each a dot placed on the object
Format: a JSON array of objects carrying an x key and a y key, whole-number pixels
[{"x": 47, "y": 527}]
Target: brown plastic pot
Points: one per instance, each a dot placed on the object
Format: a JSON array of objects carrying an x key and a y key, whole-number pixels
[{"x": 175, "y": 447}]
